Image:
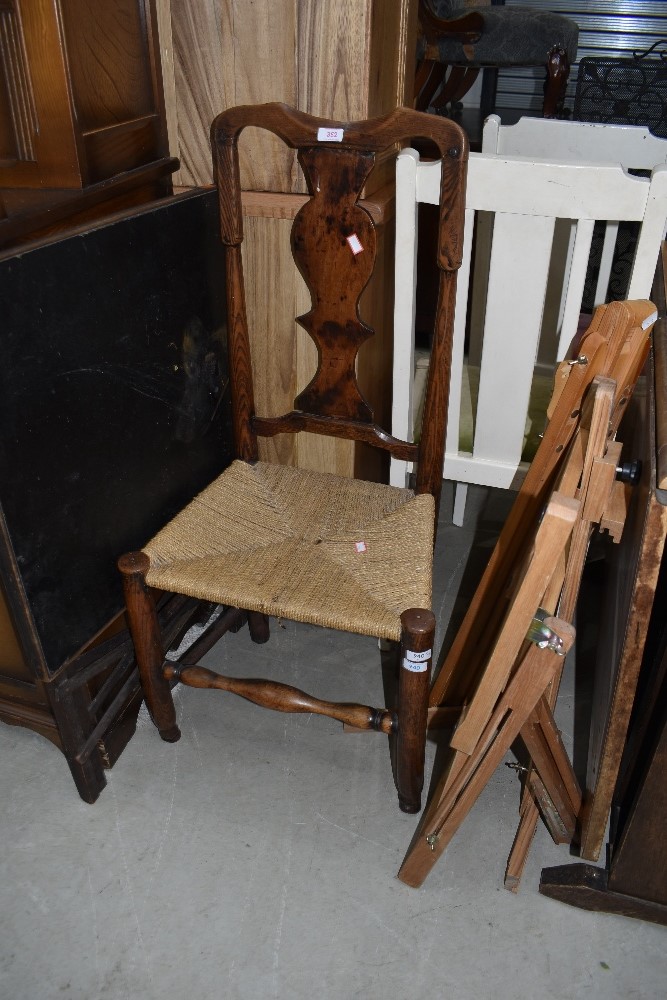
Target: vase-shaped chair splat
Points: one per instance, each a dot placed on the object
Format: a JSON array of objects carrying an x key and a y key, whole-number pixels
[{"x": 334, "y": 246}]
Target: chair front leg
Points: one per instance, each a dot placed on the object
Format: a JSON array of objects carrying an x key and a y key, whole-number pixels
[
  {"x": 145, "y": 631},
  {"x": 418, "y": 634}
]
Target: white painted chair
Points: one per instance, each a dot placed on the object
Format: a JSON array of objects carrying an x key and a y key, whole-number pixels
[
  {"x": 633, "y": 146},
  {"x": 526, "y": 196}
]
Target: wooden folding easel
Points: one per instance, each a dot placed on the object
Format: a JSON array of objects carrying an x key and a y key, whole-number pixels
[{"x": 504, "y": 665}]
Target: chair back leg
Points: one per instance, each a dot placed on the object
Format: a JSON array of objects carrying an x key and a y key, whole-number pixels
[{"x": 258, "y": 626}]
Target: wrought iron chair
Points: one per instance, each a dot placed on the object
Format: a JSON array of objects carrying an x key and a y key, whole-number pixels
[
  {"x": 282, "y": 541},
  {"x": 458, "y": 40}
]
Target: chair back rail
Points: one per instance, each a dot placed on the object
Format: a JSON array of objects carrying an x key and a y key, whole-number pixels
[{"x": 632, "y": 146}]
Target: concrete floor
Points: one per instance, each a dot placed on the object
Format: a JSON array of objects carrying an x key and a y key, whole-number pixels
[{"x": 256, "y": 858}]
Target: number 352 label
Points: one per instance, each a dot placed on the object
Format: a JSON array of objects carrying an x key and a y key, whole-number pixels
[{"x": 330, "y": 134}]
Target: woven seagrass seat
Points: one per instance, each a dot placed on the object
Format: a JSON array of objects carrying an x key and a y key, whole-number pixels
[
  {"x": 270, "y": 540},
  {"x": 302, "y": 545}
]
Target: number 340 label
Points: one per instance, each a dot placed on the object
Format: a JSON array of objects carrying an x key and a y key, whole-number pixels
[
  {"x": 417, "y": 662},
  {"x": 330, "y": 134}
]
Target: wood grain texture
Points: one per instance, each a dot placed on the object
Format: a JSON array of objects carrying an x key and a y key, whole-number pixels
[
  {"x": 603, "y": 346},
  {"x": 334, "y": 42},
  {"x": 552, "y": 535},
  {"x": 392, "y": 55},
  {"x": 55, "y": 155},
  {"x": 273, "y": 205},
  {"x": 229, "y": 53},
  {"x": 145, "y": 631},
  {"x": 417, "y": 640},
  {"x": 96, "y": 34},
  {"x": 82, "y": 93},
  {"x": 165, "y": 43},
  {"x": 348, "y": 60}
]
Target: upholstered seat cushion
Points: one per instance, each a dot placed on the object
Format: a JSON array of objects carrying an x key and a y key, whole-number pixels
[
  {"x": 308, "y": 546},
  {"x": 512, "y": 36}
]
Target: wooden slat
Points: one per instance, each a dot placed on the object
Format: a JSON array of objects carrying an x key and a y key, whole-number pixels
[
  {"x": 576, "y": 278},
  {"x": 521, "y": 245},
  {"x": 405, "y": 270},
  {"x": 653, "y": 228},
  {"x": 520, "y": 184},
  {"x": 458, "y": 346},
  {"x": 552, "y": 534}
]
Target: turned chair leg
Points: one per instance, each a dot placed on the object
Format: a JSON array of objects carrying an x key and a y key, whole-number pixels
[
  {"x": 429, "y": 78},
  {"x": 145, "y": 631},
  {"x": 418, "y": 634},
  {"x": 258, "y": 626},
  {"x": 558, "y": 72}
]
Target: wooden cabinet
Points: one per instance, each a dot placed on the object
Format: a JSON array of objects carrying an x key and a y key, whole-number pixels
[{"x": 81, "y": 111}]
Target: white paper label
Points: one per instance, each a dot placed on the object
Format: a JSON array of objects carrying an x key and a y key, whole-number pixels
[
  {"x": 414, "y": 668},
  {"x": 649, "y": 320},
  {"x": 330, "y": 134},
  {"x": 355, "y": 244},
  {"x": 416, "y": 657}
]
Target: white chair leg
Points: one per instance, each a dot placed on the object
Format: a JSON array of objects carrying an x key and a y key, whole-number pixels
[{"x": 460, "y": 496}]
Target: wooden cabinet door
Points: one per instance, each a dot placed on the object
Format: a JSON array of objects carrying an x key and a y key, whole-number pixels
[{"x": 81, "y": 92}]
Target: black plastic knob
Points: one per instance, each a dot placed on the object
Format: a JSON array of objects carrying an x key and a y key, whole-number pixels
[{"x": 629, "y": 472}]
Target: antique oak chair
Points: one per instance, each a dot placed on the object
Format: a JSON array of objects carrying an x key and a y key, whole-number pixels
[
  {"x": 282, "y": 541},
  {"x": 456, "y": 40}
]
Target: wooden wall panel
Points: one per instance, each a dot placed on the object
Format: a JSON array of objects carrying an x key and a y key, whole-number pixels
[
  {"x": 225, "y": 53},
  {"x": 334, "y": 44},
  {"x": 392, "y": 56},
  {"x": 347, "y": 60}
]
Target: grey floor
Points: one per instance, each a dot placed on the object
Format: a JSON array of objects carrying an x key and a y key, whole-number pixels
[{"x": 257, "y": 857}]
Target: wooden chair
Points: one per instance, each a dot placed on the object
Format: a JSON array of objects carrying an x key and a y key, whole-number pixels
[
  {"x": 313, "y": 547},
  {"x": 456, "y": 41},
  {"x": 526, "y": 197}
]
